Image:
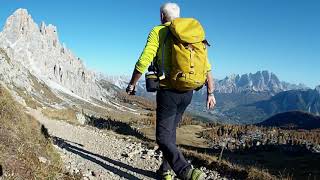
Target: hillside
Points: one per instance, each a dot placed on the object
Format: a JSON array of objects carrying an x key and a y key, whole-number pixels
[
  {"x": 25, "y": 151},
  {"x": 293, "y": 120}
]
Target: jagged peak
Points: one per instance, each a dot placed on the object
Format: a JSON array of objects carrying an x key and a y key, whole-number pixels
[
  {"x": 232, "y": 76},
  {"x": 258, "y": 72},
  {"x": 21, "y": 12},
  {"x": 20, "y": 23},
  {"x": 20, "y": 15},
  {"x": 264, "y": 73},
  {"x": 52, "y": 27}
]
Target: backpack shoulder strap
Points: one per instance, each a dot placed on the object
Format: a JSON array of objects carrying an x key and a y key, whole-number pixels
[{"x": 162, "y": 55}]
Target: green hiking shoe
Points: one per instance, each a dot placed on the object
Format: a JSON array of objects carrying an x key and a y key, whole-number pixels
[
  {"x": 168, "y": 175},
  {"x": 196, "y": 174}
]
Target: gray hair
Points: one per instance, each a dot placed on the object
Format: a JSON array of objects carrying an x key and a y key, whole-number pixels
[{"x": 170, "y": 11}]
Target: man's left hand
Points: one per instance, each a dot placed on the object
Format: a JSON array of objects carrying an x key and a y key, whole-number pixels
[{"x": 211, "y": 101}]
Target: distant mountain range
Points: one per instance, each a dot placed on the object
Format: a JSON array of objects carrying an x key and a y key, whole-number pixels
[{"x": 261, "y": 81}]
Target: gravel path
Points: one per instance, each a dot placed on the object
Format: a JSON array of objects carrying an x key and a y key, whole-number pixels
[{"x": 101, "y": 154}]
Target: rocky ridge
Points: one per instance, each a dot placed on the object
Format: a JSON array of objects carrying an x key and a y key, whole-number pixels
[{"x": 37, "y": 50}]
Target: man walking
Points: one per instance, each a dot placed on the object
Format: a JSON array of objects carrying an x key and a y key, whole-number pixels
[{"x": 171, "y": 99}]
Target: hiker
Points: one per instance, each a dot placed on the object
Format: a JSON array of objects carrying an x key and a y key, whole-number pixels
[{"x": 173, "y": 95}]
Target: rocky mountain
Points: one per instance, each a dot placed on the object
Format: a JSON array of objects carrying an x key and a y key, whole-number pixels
[
  {"x": 293, "y": 120},
  {"x": 31, "y": 50},
  {"x": 261, "y": 81}
]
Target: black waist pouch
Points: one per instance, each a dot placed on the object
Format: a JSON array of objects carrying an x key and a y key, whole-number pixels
[{"x": 152, "y": 82}]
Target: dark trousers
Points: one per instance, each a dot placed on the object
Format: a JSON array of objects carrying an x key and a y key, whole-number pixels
[{"x": 170, "y": 108}]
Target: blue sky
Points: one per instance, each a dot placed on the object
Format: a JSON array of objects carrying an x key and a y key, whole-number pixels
[{"x": 282, "y": 36}]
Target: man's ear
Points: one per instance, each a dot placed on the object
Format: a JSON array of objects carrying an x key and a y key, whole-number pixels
[{"x": 163, "y": 18}]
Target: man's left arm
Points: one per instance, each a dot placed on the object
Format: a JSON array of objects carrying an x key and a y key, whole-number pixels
[{"x": 211, "y": 101}]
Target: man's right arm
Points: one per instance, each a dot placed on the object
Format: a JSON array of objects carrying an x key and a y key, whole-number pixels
[
  {"x": 134, "y": 79},
  {"x": 146, "y": 57},
  {"x": 149, "y": 52}
]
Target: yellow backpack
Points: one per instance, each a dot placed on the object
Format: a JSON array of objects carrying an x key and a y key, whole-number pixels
[{"x": 189, "y": 60}]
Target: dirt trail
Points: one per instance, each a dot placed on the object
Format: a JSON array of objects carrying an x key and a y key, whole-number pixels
[{"x": 101, "y": 154}]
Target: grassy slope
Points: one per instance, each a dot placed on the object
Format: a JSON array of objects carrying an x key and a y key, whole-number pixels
[{"x": 22, "y": 143}]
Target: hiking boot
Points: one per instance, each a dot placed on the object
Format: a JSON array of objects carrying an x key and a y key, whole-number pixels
[
  {"x": 196, "y": 174},
  {"x": 168, "y": 175}
]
